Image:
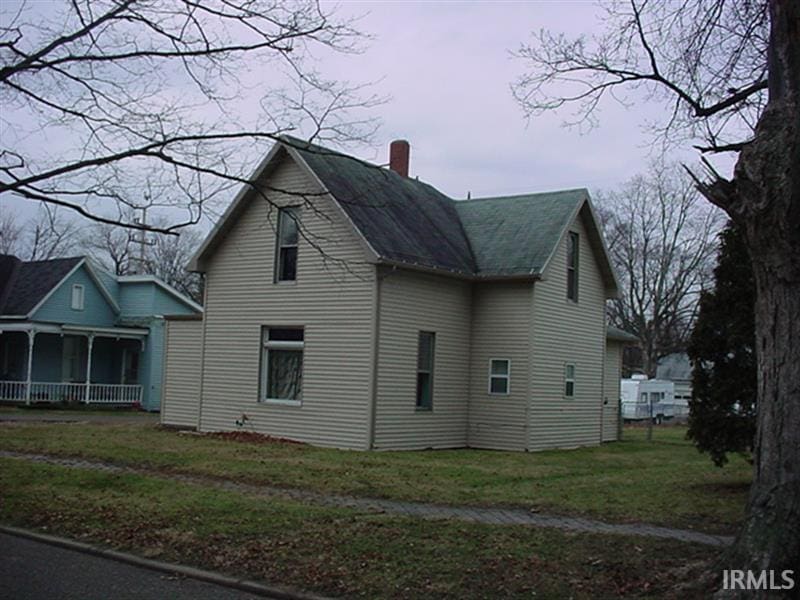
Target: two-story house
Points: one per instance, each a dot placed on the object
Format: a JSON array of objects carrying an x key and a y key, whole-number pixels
[{"x": 350, "y": 305}]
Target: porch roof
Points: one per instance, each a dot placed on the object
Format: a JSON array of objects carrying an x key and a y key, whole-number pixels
[{"x": 135, "y": 333}]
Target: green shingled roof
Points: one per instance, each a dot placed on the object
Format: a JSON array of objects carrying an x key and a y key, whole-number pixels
[
  {"x": 409, "y": 222},
  {"x": 404, "y": 220},
  {"x": 516, "y": 235}
]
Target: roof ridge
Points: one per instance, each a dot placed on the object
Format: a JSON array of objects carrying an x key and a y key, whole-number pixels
[
  {"x": 525, "y": 195},
  {"x": 44, "y": 260}
]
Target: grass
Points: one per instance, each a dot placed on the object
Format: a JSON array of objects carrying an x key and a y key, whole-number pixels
[
  {"x": 337, "y": 551},
  {"x": 665, "y": 482}
]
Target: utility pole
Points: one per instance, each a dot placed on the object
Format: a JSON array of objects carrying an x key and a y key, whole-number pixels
[{"x": 142, "y": 240}]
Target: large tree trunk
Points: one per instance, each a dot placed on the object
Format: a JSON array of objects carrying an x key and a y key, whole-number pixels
[{"x": 764, "y": 198}]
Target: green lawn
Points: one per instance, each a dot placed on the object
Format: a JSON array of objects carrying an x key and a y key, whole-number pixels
[
  {"x": 664, "y": 482},
  {"x": 333, "y": 551}
]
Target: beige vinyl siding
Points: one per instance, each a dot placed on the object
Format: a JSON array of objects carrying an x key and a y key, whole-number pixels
[
  {"x": 180, "y": 403},
  {"x": 410, "y": 303},
  {"x": 501, "y": 329},
  {"x": 332, "y": 300},
  {"x": 611, "y": 383},
  {"x": 565, "y": 332}
]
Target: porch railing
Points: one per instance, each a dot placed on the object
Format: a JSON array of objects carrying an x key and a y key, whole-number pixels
[
  {"x": 99, "y": 393},
  {"x": 113, "y": 393}
]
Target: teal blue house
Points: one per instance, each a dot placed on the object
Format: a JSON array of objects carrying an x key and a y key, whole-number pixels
[{"x": 73, "y": 333}]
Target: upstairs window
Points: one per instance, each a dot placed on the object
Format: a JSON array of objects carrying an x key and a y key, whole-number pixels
[
  {"x": 572, "y": 266},
  {"x": 569, "y": 381},
  {"x": 286, "y": 249},
  {"x": 500, "y": 376},
  {"x": 77, "y": 297},
  {"x": 282, "y": 365},
  {"x": 425, "y": 350}
]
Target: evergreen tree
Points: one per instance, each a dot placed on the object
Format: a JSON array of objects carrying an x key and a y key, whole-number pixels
[{"x": 722, "y": 416}]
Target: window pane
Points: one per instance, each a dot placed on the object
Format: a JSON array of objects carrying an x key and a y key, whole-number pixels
[
  {"x": 572, "y": 251},
  {"x": 570, "y": 371},
  {"x": 284, "y": 374},
  {"x": 288, "y": 228},
  {"x": 425, "y": 352},
  {"x": 288, "y": 264},
  {"x": 498, "y": 385},
  {"x": 572, "y": 266},
  {"x": 499, "y": 367},
  {"x": 572, "y": 284},
  {"x": 570, "y": 390},
  {"x": 424, "y": 390},
  {"x": 278, "y": 334}
]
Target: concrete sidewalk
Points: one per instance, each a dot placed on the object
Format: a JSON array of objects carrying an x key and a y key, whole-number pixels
[{"x": 423, "y": 510}]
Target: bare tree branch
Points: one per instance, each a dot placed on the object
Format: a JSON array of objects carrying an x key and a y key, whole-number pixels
[{"x": 182, "y": 97}]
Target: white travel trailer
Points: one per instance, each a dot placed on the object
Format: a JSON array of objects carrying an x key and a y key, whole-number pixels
[{"x": 644, "y": 398}]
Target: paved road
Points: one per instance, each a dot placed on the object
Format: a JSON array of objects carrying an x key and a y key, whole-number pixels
[
  {"x": 31, "y": 570},
  {"x": 77, "y": 417}
]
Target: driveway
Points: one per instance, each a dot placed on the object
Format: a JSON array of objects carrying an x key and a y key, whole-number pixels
[{"x": 31, "y": 570}]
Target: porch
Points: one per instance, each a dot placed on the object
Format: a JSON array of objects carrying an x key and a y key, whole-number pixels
[{"x": 42, "y": 363}]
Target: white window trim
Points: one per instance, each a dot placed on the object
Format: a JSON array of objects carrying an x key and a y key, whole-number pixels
[
  {"x": 266, "y": 345},
  {"x": 568, "y": 379},
  {"x": 82, "y": 303},
  {"x": 507, "y": 377}
]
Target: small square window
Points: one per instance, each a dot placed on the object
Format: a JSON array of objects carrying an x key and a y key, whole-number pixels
[
  {"x": 569, "y": 381},
  {"x": 500, "y": 376},
  {"x": 77, "y": 297}
]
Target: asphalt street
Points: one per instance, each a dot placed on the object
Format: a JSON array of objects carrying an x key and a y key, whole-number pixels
[{"x": 31, "y": 570}]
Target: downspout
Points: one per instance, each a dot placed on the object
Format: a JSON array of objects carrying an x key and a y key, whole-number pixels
[
  {"x": 529, "y": 383},
  {"x": 202, "y": 353},
  {"x": 376, "y": 328},
  {"x": 603, "y": 397}
]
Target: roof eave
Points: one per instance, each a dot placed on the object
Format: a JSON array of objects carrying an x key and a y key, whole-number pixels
[{"x": 456, "y": 274}]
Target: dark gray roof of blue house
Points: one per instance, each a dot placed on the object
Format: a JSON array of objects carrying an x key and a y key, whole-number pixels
[{"x": 24, "y": 284}]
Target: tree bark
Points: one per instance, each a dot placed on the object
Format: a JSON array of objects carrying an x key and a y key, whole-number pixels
[{"x": 764, "y": 198}]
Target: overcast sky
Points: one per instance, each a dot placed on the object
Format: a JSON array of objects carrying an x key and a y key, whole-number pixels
[{"x": 446, "y": 68}]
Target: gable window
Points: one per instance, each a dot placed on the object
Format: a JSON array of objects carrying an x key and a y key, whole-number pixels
[
  {"x": 281, "y": 365},
  {"x": 500, "y": 376},
  {"x": 572, "y": 266},
  {"x": 425, "y": 350},
  {"x": 286, "y": 245},
  {"x": 569, "y": 381},
  {"x": 77, "y": 297}
]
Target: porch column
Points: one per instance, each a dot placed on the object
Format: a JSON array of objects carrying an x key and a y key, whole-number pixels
[
  {"x": 28, "y": 381},
  {"x": 90, "y": 339}
]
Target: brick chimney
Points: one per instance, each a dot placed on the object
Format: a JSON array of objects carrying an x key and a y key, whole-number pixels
[{"x": 399, "y": 151}]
